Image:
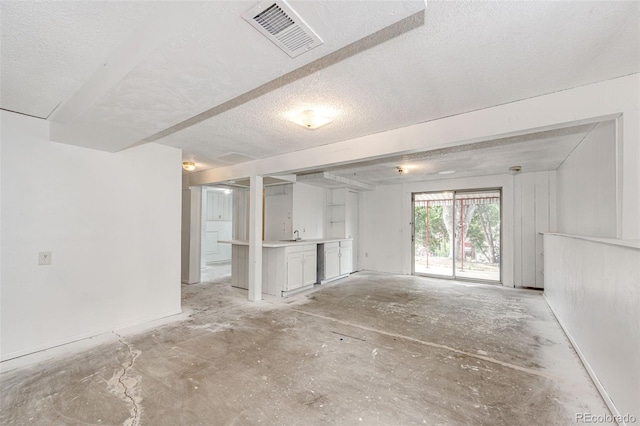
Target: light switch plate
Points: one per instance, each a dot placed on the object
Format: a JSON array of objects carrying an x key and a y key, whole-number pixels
[{"x": 44, "y": 258}]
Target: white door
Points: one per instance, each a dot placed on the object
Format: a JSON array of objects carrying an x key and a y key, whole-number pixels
[{"x": 351, "y": 226}]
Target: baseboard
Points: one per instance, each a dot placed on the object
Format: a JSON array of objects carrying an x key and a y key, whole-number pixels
[
  {"x": 80, "y": 341},
  {"x": 334, "y": 279},
  {"x": 585, "y": 362}
]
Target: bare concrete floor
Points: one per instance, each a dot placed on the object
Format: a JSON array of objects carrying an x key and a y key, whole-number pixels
[{"x": 372, "y": 349}]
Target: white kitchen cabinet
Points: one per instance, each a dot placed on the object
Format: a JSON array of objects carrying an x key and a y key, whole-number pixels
[
  {"x": 310, "y": 264},
  {"x": 287, "y": 269},
  {"x": 331, "y": 264},
  {"x": 301, "y": 266},
  {"x": 295, "y": 271},
  {"x": 346, "y": 257},
  {"x": 335, "y": 260}
]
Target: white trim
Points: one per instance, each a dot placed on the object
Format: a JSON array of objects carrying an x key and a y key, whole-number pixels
[
  {"x": 633, "y": 244},
  {"x": 82, "y": 337}
]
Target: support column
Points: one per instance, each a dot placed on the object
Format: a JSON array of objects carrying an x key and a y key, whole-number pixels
[
  {"x": 255, "y": 239},
  {"x": 191, "y": 238}
]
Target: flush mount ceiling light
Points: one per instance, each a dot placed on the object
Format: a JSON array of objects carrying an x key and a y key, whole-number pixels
[
  {"x": 189, "y": 166},
  {"x": 310, "y": 119},
  {"x": 402, "y": 170}
]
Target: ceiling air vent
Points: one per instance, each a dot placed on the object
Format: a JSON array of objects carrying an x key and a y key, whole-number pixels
[{"x": 282, "y": 25}]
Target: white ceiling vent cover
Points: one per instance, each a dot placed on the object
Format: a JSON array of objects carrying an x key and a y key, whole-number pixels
[{"x": 282, "y": 25}]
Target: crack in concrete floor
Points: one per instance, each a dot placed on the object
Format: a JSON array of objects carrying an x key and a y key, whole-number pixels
[{"x": 135, "y": 409}]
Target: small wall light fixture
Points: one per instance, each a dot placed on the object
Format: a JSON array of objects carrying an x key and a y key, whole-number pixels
[
  {"x": 402, "y": 170},
  {"x": 189, "y": 166},
  {"x": 310, "y": 119}
]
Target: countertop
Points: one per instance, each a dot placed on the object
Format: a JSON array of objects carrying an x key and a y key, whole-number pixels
[{"x": 274, "y": 244}]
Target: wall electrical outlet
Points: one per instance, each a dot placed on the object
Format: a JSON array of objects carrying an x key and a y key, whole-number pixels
[{"x": 44, "y": 258}]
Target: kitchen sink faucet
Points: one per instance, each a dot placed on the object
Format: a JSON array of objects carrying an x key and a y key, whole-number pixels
[{"x": 297, "y": 235}]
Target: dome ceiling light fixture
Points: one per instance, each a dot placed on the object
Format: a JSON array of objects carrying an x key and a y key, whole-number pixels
[
  {"x": 310, "y": 119},
  {"x": 189, "y": 166}
]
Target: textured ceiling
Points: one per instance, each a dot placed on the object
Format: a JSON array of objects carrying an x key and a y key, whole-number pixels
[
  {"x": 49, "y": 49},
  {"x": 215, "y": 86}
]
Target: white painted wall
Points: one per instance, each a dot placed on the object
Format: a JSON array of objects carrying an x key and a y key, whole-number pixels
[
  {"x": 293, "y": 207},
  {"x": 382, "y": 231},
  {"x": 587, "y": 185},
  {"x": 534, "y": 212},
  {"x": 593, "y": 284},
  {"x": 594, "y": 290},
  {"x": 112, "y": 223},
  {"x": 278, "y": 212},
  {"x": 309, "y": 205}
]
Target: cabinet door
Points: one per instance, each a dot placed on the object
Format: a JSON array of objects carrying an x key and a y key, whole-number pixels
[
  {"x": 346, "y": 260},
  {"x": 294, "y": 271},
  {"x": 331, "y": 263},
  {"x": 310, "y": 265}
]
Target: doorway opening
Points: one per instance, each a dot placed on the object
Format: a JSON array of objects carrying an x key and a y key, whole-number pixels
[
  {"x": 217, "y": 224},
  {"x": 457, "y": 234}
]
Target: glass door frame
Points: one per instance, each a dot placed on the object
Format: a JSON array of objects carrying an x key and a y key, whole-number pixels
[{"x": 453, "y": 238}]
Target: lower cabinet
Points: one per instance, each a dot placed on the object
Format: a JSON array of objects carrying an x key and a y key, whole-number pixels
[
  {"x": 346, "y": 257},
  {"x": 336, "y": 260},
  {"x": 310, "y": 265},
  {"x": 295, "y": 271},
  {"x": 331, "y": 261},
  {"x": 288, "y": 269},
  {"x": 301, "y": 266}
]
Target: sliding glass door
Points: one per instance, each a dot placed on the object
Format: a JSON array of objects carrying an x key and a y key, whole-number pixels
[{"x": 456, "y": 234}]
